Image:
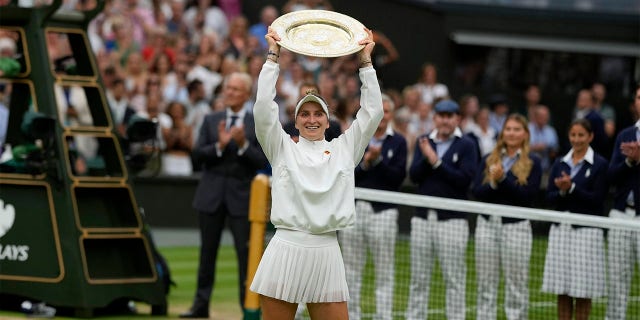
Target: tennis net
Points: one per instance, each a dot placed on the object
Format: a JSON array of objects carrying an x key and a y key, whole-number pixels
[{"x": 501, "y": 262}]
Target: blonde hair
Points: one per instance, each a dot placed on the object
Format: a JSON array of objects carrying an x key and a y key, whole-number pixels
[{"x": 522, "y": 167}]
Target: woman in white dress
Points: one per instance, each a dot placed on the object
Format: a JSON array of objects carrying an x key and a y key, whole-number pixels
[{"x": 312, "y": 194}]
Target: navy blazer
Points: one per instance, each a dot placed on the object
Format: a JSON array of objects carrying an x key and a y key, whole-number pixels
[
  {"x": 449, "y": 180},
  {"x": 389, "y": 173},
  {"x": 590, "y": 188},
  {"x": 625, "y": 178},
  {"x": 509, "y": 192},
  {"x": 226, "y": 179}
]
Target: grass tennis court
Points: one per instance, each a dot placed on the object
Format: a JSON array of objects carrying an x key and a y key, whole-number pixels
[{"x": 183, "y": 262}]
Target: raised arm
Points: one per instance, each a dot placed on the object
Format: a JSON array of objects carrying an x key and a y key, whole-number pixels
[
  {"x": 370, "y": 113},
  {"x": 268, "y": 128}
]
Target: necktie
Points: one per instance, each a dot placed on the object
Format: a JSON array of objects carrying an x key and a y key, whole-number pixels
[{"x": 233, "y": 121}]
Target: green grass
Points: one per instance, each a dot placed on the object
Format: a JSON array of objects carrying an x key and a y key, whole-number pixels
[{"x": 183, "y": 262}]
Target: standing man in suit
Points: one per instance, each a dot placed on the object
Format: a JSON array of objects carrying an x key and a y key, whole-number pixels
[{"x": 230, "y": 156}]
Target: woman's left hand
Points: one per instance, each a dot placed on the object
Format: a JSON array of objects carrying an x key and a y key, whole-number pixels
[
  {"x": 364, "y": 55},
  {"x": 272, "y": 38}
]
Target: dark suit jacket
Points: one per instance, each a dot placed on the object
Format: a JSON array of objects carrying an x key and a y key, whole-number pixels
[
  {"x": 451, "y": 179},
  {"x": 226, "y": 179},
  {"x": 509, "y": 192},
  {"x": 625, "y": 178},
  {"x": 389, "y": 173},
  {"x": 590, "y": 187}
]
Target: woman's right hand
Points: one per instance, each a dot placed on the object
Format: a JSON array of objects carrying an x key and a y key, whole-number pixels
[
  {"x": 272, "y": 38},
  {"x": 563, "y": 182},
  {"x": 496, "y": 171}
]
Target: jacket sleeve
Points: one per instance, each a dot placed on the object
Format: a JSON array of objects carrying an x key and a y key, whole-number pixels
[
  {"x": 482, "y": 191},
  {"x": 420, "y": 168},
  {"x": 618, "y": 168},
  {"x": 368, "y": 117},
  {"x": 204, "y": 150},
  {"x": 268, "y": 128},
  {"x": 254, "y": 156},
  {"x": 553, "y": 193}
]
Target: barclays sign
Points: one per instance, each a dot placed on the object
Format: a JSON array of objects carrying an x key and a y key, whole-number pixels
[{"x": 10, "y": 252}]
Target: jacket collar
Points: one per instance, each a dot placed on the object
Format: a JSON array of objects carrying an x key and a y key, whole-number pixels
[{"x": 588, "y": 157}]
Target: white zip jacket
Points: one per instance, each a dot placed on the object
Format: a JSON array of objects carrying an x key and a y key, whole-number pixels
[{"x": 313, "y": 183}]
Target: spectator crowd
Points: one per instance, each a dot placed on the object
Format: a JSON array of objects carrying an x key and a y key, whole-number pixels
[{"x": 168, "y": 60}]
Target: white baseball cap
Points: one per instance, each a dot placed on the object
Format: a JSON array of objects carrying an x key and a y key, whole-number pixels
[{"x": 312, "y": 98}]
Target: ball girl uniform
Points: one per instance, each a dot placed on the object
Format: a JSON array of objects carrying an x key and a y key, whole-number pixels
[
  {"x": 624, "y": 245},
  {"x": 504, "y": 243},
  {"x": 575, "y": 259}
]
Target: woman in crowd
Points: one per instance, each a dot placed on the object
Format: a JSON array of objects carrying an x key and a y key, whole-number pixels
[
  {"x": 509, "y": 175},
  {"x": 574, "y": 265},
  {"x": 176, "y": 159}
]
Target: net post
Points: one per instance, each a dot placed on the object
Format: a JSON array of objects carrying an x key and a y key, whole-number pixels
[{"x": 258, "y": 218}]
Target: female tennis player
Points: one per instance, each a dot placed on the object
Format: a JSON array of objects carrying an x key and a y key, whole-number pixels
[{"x": 312, "y": 193}]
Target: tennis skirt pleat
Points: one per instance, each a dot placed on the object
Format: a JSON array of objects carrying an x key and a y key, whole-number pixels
[
  {"x": 575, "y": 262},
  {"x": 299, "y": 267}
]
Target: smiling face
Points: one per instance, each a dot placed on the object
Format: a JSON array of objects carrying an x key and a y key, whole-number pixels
[
  {"x": 311, "y": 121},
  {"x": 580, "y": 138},
  {"x": 514, "y": 134}
]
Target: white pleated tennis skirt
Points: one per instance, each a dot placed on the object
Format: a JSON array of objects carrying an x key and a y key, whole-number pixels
[
  {"x": 575, "y": 262},
  {"x": 300, "y": 267}
]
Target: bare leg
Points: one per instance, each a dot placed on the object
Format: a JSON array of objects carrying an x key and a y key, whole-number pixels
[
  {"x": 328, "y": 310},
  {"x": 274, "y": 309},
  {"x": 565, "y": 307},
  {"x": 583, "y": 308}
]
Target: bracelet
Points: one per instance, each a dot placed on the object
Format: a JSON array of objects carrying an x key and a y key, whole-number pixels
[
  {"x": 365, "y": 62},
  {"x": 271, "y": 53}
]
